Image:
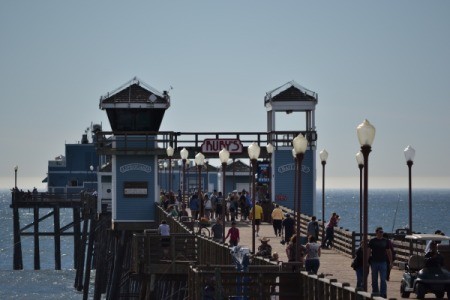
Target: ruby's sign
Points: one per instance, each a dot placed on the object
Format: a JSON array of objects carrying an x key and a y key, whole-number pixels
[{"x": 215, "y": 145}]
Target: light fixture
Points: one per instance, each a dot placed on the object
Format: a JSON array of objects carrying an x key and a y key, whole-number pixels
[
  {"x": 366, "y": 133},
  {"x": 169, "y": 151},
  {"x": 409, "y": 153},
  {"x": 253, "y": 151},
  {"x": 300, "y": 144}
]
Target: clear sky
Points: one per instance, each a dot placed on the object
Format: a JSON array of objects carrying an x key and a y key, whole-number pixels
[{"x": 387, "y": 61}]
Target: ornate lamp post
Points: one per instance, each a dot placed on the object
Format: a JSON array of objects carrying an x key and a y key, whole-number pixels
[
  {"x": 270, "y": 149},
  {"x": 199, "y": 161},
  {"x": 294, "y": 155},
  {"x": 360, "y": 162},
  {"x": 184, "y": 155},
  {"x": 323, "y": 158},
  {"x": 300, "y": 144},
  {"x": 253, "y": 154},
  {"x": 224, "y": 156},
  {"x": 366, "y": 135},
  {"x": 169, "y": 152},
  {"x": 409, "y": 156}
]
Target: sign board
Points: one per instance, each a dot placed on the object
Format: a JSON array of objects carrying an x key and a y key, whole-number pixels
[
  {"x": 135, "y": 189},
  {"x": 215, "y": 145},
  {"x": 263, "y": 172}
]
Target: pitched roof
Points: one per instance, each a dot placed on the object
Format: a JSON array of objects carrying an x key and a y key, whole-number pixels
[{"x": 290, "y": 91}]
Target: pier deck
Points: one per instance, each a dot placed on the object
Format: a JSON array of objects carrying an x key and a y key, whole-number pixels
[{"x": 333, "y": 264}]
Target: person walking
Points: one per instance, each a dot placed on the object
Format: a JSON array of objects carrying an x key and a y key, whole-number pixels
[
  {"x": 357, "y": 265},
  {"x": 217, "y": 230},
  {"x": 259, "y": 215},
  {"x": 380, "y": 258},
  {"x": 288, "y": 225},
  {"x": 313, "y": 228},
  {"x": 277, "y": 220},
  {"x": 312, "y": 249},
  {"x": 233, "y": 234},
  {"x": 194, "y": 206}
]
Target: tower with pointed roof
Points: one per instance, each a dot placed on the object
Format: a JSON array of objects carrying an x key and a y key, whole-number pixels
[
  {"x": 135, "y": 111},
  {"x": 286, "y": 99}
]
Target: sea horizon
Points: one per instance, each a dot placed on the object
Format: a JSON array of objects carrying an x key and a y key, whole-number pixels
[{"x": 344, "y": 182}]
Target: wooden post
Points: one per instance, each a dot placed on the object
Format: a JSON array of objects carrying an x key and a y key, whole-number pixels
[
  {"x": 81, "y": 252},
  {"x": 37, "y": 260},
  {"x": 87, "y": 275},
  {"x": 57, "y": 232},
  {"x": 17, "y": 258},
  {"x": 76, "y": 235}
]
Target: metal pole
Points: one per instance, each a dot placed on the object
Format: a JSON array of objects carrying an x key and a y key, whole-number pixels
[
  {"x": 224, "y": 206},
  {"x": 170, "y": 174},
  {"x": 365, "y": 150},
  {"x": 360, "y": 198},
  {"x": 410, "y": 163},
  {"x": 184, "y": 181},
  {"x": 299, "y": 205},
  {"x": 202, "y": 209},
  {"x": 323, "y": 200},
  {"x": 253, "y": 203}
]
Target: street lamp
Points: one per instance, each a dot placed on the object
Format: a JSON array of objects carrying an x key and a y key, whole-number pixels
[
  {"x": 300, "y": 144},
  {"x": 169, "y": 152},
  {"x": 15, "y": 176},
  {"x": 409, "y": 155},
  {"x": 165, "y": 175},
  {"x": 270, "y": 149},
  {"x": 199, "y": 161},
  {"x": 184, "y": 155},
  {"x": 366, "y": 135},
  {"x": 91, "y": 168},
  {"x": 224, "y": 156},
  {"x": 360, "y": 162},
  {"x": 323, "y": 157},
  {"x": 253, "y": 154}
]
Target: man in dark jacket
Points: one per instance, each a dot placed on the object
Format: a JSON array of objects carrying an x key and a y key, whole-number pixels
[{"x": 288, "y": 225}]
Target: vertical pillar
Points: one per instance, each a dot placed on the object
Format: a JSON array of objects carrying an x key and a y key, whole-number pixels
[
  {"x": 17, "y": 257},
  {"x": 57, "y": 233},
  {"x": 76, "y": 235},
  {"x": 37, "y": 259}
]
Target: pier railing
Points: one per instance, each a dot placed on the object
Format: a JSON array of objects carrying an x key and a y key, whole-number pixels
[{"x": 211, "y": 272}]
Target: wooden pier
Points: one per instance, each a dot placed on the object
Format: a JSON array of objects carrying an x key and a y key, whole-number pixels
[
  {"x": 129, "y": 264},
  {"x": 35, "y": 202}
]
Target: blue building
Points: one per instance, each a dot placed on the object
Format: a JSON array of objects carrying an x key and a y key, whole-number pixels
[{"x": 76, "y": 170}]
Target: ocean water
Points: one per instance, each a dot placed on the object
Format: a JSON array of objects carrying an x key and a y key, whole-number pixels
[{"x": 387, "y": 208}]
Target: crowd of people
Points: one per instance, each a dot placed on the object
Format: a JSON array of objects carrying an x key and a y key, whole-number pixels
[{"x": 237, "y": 207}]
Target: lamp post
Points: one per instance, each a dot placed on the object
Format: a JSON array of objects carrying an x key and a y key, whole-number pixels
[
  {"x": 409, "y": 155},
  {"x": 270, "y": 149},
  {"x": 366, "y": 135},
  {"x": 199, "y": 161},
  {"x": 253, "y": 154},
  {"x": 91, "y": 168},
  {"x": 323, "y": 158},
  {"x": 360, "y": 162},
  {"x": 224, "y": 155},
  {"x": 184, "y": 155},
  {"x": 169, "y": 152},
  {"x": 294, "y": 155},
  {"x": 16, "y": 168},
  {"x": 207, "y": 175},
  {"x": 300, "y": 144}
]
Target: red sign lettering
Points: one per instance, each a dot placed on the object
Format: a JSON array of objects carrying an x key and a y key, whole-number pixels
[{"x": 215, "y": 145}]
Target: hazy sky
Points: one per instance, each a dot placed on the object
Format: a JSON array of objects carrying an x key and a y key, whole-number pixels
[{"x": 387, "y": 61}]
